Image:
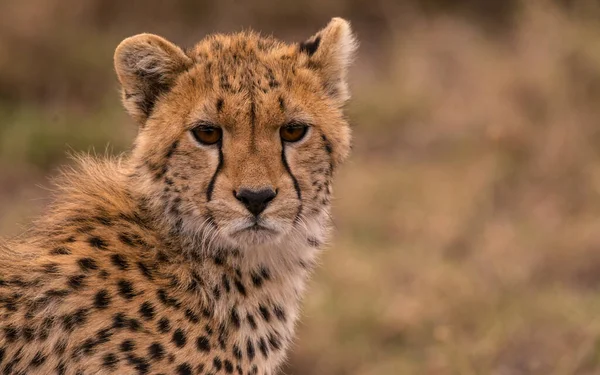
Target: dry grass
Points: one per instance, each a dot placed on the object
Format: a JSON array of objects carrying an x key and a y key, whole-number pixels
[{"x": 468, "y": 218}]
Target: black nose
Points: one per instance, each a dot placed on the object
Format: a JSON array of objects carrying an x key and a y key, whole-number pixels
[{"x": 255, "y": 200}]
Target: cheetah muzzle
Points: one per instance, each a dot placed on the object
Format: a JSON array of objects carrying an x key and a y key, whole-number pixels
[{"x": 188, "y": 255}]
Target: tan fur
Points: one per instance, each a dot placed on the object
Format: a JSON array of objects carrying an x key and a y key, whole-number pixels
[{"x": 158, "y": 235}]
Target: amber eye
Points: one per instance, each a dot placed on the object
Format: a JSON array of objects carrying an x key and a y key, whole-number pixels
[
  {"x": 207, "y": 135},
  {"x": 293, "y": 132}
]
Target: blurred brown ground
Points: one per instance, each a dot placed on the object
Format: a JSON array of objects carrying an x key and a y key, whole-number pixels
[{"x": 468, "y": 218}]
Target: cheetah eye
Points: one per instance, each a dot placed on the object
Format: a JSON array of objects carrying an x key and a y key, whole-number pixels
[
  {"x": 207, "y": 135},
  {"x": 293, "y": 132}
]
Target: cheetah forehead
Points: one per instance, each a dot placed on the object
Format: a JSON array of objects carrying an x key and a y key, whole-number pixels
[{"x": 149, "y": 66}]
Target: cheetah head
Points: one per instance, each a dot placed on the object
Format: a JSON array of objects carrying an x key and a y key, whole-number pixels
[{"x": 240, "y": 135}]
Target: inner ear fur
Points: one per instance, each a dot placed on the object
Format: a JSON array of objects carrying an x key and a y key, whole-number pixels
[
  {"x": 330, "y": 53},
  {"x": 147, "y": 66}
]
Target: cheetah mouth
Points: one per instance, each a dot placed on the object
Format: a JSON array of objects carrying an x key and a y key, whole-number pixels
[{"x": 256, "y": 227}]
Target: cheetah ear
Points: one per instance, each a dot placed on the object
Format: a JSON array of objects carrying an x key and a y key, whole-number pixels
[
  {"x": 330, "y": 52},
  {"x": 147, "y": 66}
]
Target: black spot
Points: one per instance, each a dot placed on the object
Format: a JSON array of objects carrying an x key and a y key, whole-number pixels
[
  {"x": 57, "y": 293},
  {"x": 103, "y": 220},
  {"x": 219, "y": 260},
  {"x": 225, "y": 282},
  {"x": 328, "y": 146},
  {"x": 119, "y": 320},
  {"x": 45, "y": 328},
  {"x": 237, "y": 353},
  {"x": 88, "y": 346},
  {"x": 134, "y": 325},
  {"x": 164, "y": 325},
  {"x": 103, "y": 335},
  {"x": 119, "y": 261},
  {"x": 97, "y": 242},
  {"x": 219, "y": 105},
  {"x": 50, "y": 268},
  {"x": 279, "y": 313},
  {"x": 189, "y": 314},
  {"x": 60, "y": 251},
  {"x": 254, "y": 370},
  {"x": 164, "y": 298},
  {"x": 313, "y": 242},
  {"x": 217, "y": 292},
  {"x": 145, "y": 270},
  {"x": 2, "y": 351},
  {"x": 61, "y": 369},
  {"x": 38, "y": 359},
  {"x": 228, "y": 366},
  {"x": 203, "y": 344},
  {"x": 217, "y": 364},
  {"x": 126, "y": 239},
  {"x": 8, "y": 369},
  {"x": 281, "y": 104},
  {"x": 78, "y": 318},
  {"x": 256, "y": 279},
  {"x": 310, "y": 46},
  {"x": 263, "y": 347},
  {"x": 240, "y": 287},
  {"x": 235, "y": 318},
  {"x": 250, "y": 350},
  {"x": 76, "y": 281},
  {"x": 184, "y": 369},
  {"x": 102, "y": 299},
  {"x": 126, "y": 289},
  {"x": 223, "y": 336},
  {"x": 274, "y": 342},
  {"x": 179, "y": 338},
  {"x": 140, "y": 364},
  {"x": 251, "y": 321},
  {"x": 156, "y": 351},
  {"x": 147, "y": 310},
  {"x": 200, "y": 368},
  {"x": 28, "y": 334},
  {"x": 87, "y": 264},
  {"x": 110, "y": 361},
  {"x": 127, "y": 346},
  {"x": 265, "y": 313}
]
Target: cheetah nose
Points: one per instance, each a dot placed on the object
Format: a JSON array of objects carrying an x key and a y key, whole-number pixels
[{"x": 255, "y": 200}]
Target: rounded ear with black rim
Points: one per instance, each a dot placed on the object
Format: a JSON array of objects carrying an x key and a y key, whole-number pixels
[
  {"x": 147, "y": 66},
  {"x": 330, "y": 52}
]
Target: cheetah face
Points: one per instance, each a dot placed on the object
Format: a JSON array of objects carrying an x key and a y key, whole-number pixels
[{"x": 240, "y": 135}]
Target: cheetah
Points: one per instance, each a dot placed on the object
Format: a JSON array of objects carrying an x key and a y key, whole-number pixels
[{"x": 190, "y": 253}]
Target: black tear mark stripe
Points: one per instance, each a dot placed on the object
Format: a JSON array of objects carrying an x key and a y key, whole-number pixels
[
  {"x": 211, "y": 184},
  {"x": 294, "y": 180}
]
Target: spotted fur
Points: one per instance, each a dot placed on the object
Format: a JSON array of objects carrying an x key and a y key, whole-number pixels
[{"x": 148, "y": 264}]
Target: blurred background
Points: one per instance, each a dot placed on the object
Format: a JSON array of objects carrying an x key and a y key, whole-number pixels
[{"x": 468, "y": 218}]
